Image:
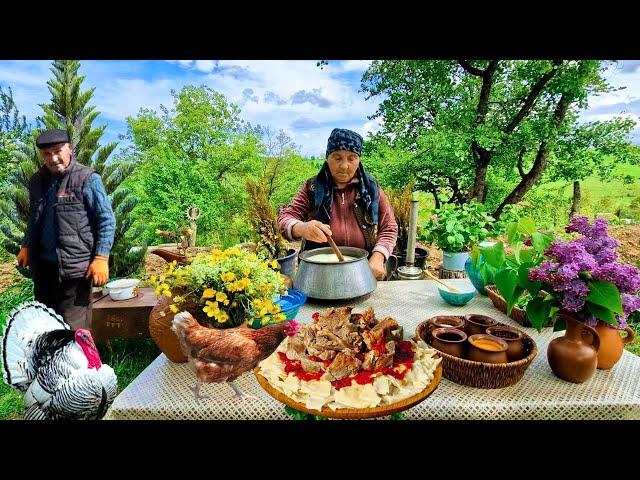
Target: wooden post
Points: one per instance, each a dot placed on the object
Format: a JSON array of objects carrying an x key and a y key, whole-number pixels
[
  {"x": 193, "y": 213},
  {"x": 452, "y": 273}
]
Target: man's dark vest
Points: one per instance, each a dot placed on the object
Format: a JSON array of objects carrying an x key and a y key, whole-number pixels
[
  {"x": 75, "y": 238},
  {"x": 369, "y": 229}
]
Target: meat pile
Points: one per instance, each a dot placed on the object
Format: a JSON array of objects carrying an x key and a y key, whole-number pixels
[{"x": 340, "y": 343}]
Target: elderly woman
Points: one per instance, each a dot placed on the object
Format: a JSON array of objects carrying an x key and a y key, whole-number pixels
[{"x": 344, "y": 202}]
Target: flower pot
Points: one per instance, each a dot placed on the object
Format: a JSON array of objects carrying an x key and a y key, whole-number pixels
[
  {"x": 474, "y": 273},
  {"x": 288, "y": 263},
  {"x": 454, "y": 260},
  {"x": 611, "y": 344},
  {"x": 574, "y": 356},
  {"x": 161, "y": 333}
]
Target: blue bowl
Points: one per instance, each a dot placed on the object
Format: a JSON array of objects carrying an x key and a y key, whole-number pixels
[
  {"x": 457, "y": 299},
  {"x": 291, "y": 302}
]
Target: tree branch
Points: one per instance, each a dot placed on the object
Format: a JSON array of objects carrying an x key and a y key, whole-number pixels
[
  {"x": 533, "y": 95},
  {"x": 540, "y": 161},
  {"x": 485, "y": 91},
  {"x": 520, "y": 157},
  {"x": 470, "y": 68}
]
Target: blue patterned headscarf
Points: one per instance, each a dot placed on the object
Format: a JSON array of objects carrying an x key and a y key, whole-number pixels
[{"x": 343, "y": 139}]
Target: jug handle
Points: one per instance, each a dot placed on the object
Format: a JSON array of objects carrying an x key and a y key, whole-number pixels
[
  {"x": 630, "y": 334},
  {"x": 595, "y": 338}
]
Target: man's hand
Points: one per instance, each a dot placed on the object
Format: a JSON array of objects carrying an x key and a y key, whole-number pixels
[
  {"x": 313, "y": 230},
  {"x": 99, "y": 270},
  {"x": 23, "y": 257},
  {"x": 376, "y": 262}
]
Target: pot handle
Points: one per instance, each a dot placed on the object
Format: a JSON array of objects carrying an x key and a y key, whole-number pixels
[
  {"x": 595, "y": 338},
  {"x": 630, "y": 334}
]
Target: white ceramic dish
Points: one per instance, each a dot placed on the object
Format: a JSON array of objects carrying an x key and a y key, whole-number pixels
[{"x": 122, "y": 289}]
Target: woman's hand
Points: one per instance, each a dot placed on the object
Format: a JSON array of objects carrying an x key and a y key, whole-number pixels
[
  {"x": 376, "y": 262},
  {"x": 313, "y": 230}
]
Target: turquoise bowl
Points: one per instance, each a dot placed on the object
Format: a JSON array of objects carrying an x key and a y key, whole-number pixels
[
  {"x": 457, "y": 299},
  {"x": 291, "y": 302}
]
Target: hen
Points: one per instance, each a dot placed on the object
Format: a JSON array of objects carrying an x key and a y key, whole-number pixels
[
  {"x": 58, "y": 369},
  {"x": 222, "y": 355}
]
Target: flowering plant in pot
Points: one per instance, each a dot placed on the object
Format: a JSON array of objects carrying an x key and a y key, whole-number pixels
[
  {"x": 224, "y": 288},
  {"x": 587, "y": 287},
  {"x": 456, "y": 229}
]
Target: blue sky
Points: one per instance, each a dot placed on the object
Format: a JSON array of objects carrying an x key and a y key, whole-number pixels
[{"x": 295, "y": 96}]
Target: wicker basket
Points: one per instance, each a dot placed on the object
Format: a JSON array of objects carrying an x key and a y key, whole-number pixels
[
  {"x": 517, "y": 314},
  {"x": 480, "y": 374}
]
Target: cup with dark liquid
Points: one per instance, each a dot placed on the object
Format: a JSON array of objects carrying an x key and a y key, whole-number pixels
[
  {"x": 475, "y": 324},
  {"x": 450, "y": 340},
  {"x": 443, "y": 321},
  {"x": 487, "y": 348},
  {"x": 514, "y": 339}
]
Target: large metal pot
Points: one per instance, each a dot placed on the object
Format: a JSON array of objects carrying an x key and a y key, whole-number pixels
[{"x": 335, "y": 281}]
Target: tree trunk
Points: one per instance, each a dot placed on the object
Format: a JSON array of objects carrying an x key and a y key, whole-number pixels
[
  {"x": 527, "y": 181},
  {"x": 483, "y": 158},
  {"x": 575, "y": 203},
  {"x": 540, "y": 163}
]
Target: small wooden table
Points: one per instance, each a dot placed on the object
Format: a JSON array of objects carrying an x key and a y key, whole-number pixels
[{"x": 122, "y": 319}]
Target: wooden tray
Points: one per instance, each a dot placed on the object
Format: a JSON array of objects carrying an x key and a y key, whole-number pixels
[{"x": 354, "y": 413}]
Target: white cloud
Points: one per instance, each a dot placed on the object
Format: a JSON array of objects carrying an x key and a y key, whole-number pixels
[{"x": 205, "y": 65}]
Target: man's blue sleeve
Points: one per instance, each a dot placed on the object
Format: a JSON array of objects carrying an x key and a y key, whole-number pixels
[{"x": 101, "y": 212}]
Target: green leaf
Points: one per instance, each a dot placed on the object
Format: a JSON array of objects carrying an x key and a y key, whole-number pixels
[
  {"x": 537, "y": 312},
  {"x": 559, "y": 324},
  {"x": 602, "y": 313},
  {"x": 523, "y": 275},
  {"x": 526, "y": 255},
  {"x": 539, "y": 241},
  {"x": 512, "y": 233},
  {"x": 506, "y": 283},
  {"x": 605, "y": 294},
  {"x": 526, "y": 225},
  {"x": 494, "y": 255}
]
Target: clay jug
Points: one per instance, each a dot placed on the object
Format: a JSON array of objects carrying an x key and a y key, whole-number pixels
[
  {"x": 611, "y": 344},
  {"x": 161, "y": 333},
  {"x": 574, "y": 356}
]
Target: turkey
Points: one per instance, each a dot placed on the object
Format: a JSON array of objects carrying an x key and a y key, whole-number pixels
[{"x": 58, "y": 369}]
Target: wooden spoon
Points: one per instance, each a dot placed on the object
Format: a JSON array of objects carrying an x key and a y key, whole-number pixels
[
  {"x": 453, "y": 289},
  {"x": 335, "y": 248}
]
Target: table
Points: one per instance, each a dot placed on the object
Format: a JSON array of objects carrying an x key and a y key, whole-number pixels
[
  {"x": 124, "y": 318},
  {"x": 162, "y": 389}
]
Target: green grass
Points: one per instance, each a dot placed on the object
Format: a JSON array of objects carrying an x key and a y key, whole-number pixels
[
  {"x": 128, "y": 358},
  {"x": 634, "y": 346}
]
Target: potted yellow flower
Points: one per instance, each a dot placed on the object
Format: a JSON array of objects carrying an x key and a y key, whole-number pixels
[{"x": 221, "y": 289}]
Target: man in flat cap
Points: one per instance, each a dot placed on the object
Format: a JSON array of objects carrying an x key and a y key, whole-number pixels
[
  {"x": 70, "y": 230},
  {"x": 343, "y": 202}
]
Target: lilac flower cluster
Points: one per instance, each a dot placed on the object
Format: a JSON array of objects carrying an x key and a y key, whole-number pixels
[{"x": 592, "y": 256}]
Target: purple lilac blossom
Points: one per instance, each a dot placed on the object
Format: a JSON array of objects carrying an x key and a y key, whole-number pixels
[{"x": 594, "y": 254}]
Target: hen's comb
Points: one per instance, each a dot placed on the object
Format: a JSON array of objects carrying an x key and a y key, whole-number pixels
[{"x": 293, "y": 328}]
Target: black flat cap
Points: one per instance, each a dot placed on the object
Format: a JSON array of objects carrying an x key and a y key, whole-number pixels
[{"x": 52, "y": 137}]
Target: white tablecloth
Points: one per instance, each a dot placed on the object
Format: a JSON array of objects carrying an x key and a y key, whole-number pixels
[{"x": 162, "y": 390}]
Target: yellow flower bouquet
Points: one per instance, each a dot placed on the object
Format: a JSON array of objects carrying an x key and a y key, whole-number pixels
[{"x": 224, "y": 288}]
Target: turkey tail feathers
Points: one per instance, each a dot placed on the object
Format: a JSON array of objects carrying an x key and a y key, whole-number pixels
[{"x": 24, "y": 324}]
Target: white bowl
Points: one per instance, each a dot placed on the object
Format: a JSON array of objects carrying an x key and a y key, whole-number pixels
[{"x": 122, "y": 289}]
